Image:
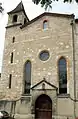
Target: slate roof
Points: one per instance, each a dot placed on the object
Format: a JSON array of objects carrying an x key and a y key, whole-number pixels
[{"x": 19, "y": 8}]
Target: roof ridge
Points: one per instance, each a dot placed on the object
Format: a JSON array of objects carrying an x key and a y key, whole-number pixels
[{"x": 48, "y": 14}]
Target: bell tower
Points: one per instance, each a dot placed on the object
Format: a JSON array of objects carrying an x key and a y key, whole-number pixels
[{"x": 17, "y": 16}]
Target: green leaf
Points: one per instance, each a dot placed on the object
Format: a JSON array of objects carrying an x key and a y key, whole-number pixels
[{"x": 48, "y": 3}]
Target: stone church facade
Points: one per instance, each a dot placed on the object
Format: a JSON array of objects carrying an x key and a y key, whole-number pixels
[{"x": 40, "y": 66}]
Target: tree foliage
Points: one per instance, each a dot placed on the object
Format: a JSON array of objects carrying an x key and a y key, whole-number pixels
[
  {"x": 1, "y": 8},
  {"x": 48, "y": 3}
]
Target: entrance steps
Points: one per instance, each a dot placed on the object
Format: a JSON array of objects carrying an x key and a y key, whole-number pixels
[
  {"x": 23, "y": 116},
  {"x": 62, "y": 117},
  {"x": 30, "y": 116}
]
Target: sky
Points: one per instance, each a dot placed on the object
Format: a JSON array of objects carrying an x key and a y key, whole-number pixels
[{"x": 32, "y": 11}]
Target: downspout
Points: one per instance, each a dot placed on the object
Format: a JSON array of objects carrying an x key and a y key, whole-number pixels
[{"x": 73, "y": 48}]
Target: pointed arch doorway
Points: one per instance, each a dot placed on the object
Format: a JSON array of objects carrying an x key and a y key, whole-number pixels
[{"x": 43, "y": 107}]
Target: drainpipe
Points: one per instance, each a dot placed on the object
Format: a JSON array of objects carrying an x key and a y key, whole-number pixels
[{"x": 73, "y": 48}]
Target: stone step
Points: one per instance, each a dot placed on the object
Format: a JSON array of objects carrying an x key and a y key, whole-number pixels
[{"x": 23, "y": 116}]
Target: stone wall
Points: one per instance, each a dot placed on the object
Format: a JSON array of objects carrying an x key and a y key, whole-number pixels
[
  {"x": 75, "y": 36},
  {"x": 29, "y": 42}
]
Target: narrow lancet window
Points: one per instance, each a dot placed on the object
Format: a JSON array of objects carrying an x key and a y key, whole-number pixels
[
  {"x": 12, "y": 57},
  {"x": 13, "y": 39},
  {"x": 27, "y": 77},
  {"x": 10, "y": 80},
  {"x": 62, "y": 67}
]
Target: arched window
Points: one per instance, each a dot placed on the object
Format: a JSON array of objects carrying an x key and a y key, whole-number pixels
[
  {"x": 45, "y": 24},
  {"x": 15, "y": 18},
  {"x": 27, "y": 77},
  {"x": 62, "y": 67}
]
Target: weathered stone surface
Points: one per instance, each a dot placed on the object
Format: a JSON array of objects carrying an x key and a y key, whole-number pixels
[{"x": 29, "y": 42}]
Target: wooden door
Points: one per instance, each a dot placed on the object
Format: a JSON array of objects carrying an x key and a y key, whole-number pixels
[{"x": 43, "y": 107}]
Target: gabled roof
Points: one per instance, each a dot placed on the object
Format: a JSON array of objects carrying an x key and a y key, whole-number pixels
[
  {"x": 46, "y": 82},
  {"x": 18, "y": 8},
  {"x": 48, "y": 14}
]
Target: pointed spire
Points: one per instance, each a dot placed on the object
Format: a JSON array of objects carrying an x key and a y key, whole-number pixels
[{"x": 18, "y": 8}]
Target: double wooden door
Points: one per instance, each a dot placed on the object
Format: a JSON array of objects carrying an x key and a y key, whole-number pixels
[{"x": 43, "y": 107}]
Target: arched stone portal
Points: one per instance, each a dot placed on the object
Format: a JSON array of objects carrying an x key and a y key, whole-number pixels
[{"x": 43, "y": 107}]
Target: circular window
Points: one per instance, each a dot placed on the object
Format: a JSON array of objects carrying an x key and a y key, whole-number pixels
[{"x": 44, "y": 55}]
